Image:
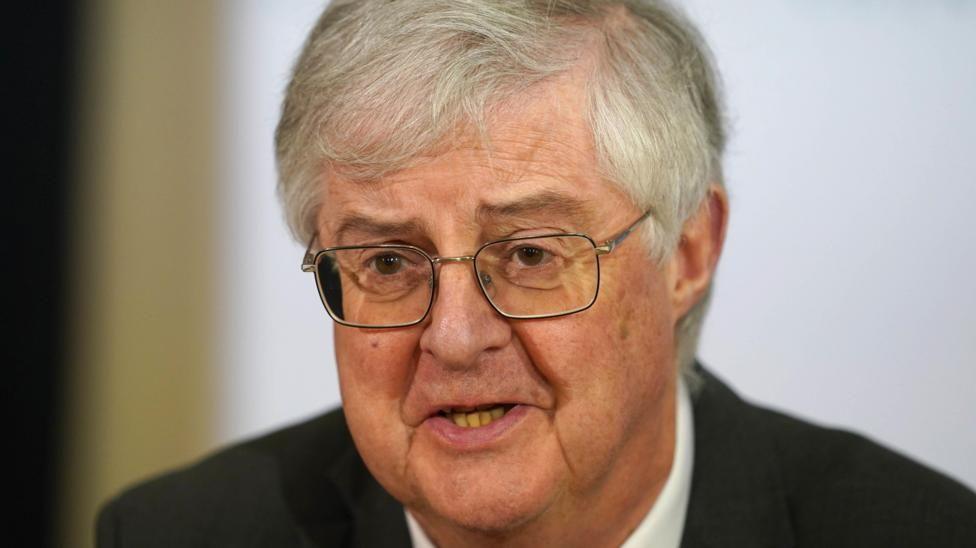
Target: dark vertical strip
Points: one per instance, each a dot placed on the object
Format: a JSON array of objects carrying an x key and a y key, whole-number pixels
[{"x": 39, "y": 96}]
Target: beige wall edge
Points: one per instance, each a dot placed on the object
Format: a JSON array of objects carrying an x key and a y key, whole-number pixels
[{"x": 140, "y": 383}]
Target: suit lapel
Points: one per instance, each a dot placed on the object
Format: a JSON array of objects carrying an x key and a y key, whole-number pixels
[
  {"x": 737, "y": 494},
  {"x": 376, "y": 518},
  {"x": 340, "y": 503}
]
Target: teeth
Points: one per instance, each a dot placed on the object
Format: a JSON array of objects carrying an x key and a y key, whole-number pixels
[{"x": 481, "y": 416}]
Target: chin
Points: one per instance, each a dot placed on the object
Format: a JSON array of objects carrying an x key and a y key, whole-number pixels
[
  {"x": 491, "y": 517},
  {"x": 482, "y": 500}
]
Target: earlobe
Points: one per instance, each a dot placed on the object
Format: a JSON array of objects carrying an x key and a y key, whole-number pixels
[{"x": 695, "y": 258}]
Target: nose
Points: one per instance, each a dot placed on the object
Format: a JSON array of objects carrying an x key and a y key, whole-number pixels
[{"x": 461, "y": 325}]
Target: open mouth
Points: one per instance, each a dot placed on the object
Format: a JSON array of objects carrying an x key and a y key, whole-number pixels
[{"x": 476, "y": 417}]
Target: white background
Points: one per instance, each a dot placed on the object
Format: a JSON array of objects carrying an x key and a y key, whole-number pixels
[{"x": 846, "y": 291}]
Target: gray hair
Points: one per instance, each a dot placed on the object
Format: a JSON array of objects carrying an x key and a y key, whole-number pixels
[{"x": 379, "y": 82}]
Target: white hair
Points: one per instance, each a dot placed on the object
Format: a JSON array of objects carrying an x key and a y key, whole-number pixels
[{"x": 378, "y": 83}]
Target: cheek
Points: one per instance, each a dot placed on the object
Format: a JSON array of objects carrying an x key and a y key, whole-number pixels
[
  {"x": 640, "y": 337},
  {"x": 374, "y": 364},
  {"x": 609, "y": 367},
  {"x": 374, "y": 372},
  {"x": 618, "y": 346}
]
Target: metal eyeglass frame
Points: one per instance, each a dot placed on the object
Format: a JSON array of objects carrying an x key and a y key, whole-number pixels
[{"x": 311, "y": 259}]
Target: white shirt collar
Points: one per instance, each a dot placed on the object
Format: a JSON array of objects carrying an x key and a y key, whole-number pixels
[{"x": 663, "y": 525}]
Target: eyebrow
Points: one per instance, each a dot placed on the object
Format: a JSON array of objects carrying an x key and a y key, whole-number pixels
[
  {"x": 547, "y": 201},
  {"x": 372, "y": 227}
]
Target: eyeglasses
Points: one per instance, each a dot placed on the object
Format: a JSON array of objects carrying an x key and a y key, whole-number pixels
[{"x": 393, "y": 285}]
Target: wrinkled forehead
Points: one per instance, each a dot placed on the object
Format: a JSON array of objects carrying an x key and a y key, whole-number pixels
[{"x": 537, "y": 152}]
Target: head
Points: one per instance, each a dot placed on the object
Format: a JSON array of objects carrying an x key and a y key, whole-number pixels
[{"x": 444, "y": 125}]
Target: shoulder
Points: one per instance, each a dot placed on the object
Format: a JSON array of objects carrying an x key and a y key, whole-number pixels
[
  {"x": 820, "y": 486},
  {"x": 839, "y": 481},
  {"x": 251, "y": 494}
]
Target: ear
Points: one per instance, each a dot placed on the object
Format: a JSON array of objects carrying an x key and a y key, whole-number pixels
[{"x": 693, "y": 262}]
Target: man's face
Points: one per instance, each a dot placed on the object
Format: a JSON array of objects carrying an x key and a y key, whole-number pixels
[{"x": 591, "y": 429}]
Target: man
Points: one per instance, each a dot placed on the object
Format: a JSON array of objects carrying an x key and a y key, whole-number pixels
[{"x": 514, "y": 212}]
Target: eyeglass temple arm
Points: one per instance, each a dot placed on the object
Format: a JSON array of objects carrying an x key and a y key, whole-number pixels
[
  {"x": 308, "y": 261},
  {"x": 609, "y": 245}
]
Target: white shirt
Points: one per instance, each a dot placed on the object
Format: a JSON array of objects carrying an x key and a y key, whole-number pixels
[{"x": 664, "y": 523}]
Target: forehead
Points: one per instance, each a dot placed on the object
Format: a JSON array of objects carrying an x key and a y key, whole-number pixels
[{"x": 537, "y": 155}]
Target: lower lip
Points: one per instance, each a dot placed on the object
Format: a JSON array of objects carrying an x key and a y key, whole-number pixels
[{"x": 474, "y": 438}]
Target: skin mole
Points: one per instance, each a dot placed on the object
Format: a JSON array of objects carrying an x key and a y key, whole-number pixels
[{"x": 623, "y": 328}]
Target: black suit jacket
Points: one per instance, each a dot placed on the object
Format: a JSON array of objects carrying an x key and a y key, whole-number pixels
[{"x": 760, "y": 479}]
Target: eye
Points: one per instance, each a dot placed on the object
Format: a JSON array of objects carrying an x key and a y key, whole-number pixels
[
  {"x": 387, "y": 264},
  {"x": 530, "y": 256}
]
